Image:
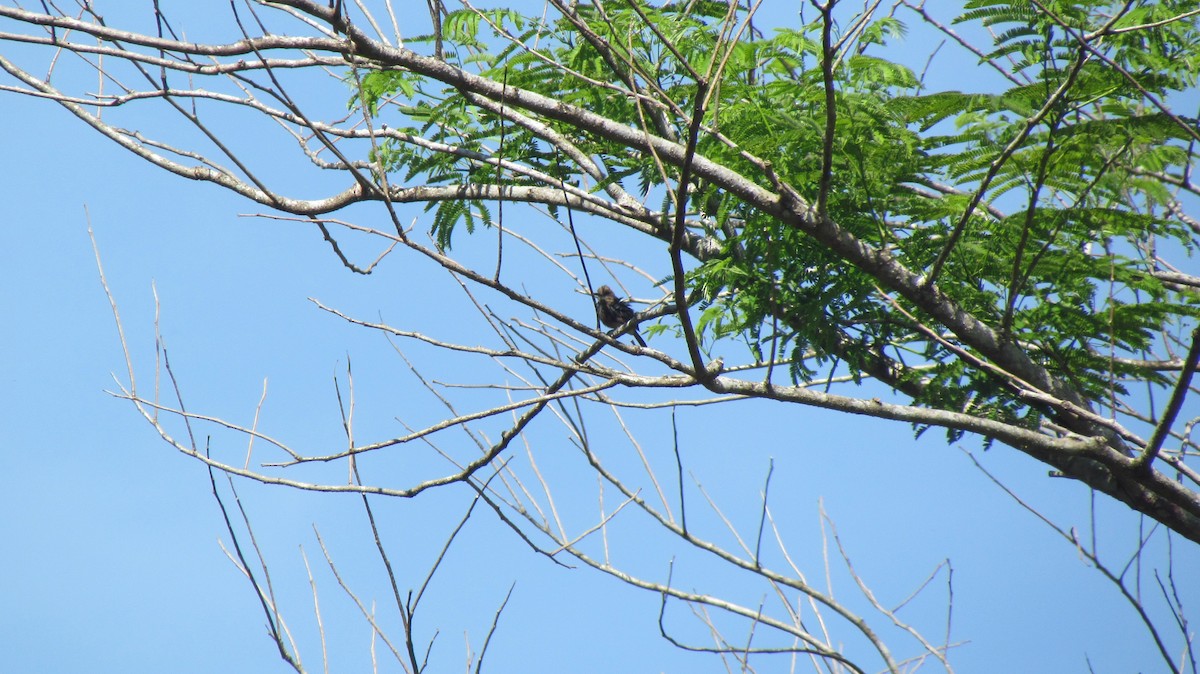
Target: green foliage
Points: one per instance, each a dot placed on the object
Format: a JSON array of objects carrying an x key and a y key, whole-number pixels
[{"x": 1068, "y": 164}]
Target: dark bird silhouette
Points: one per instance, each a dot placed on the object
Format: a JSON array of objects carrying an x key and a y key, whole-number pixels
[{"x": 614, "y": 312}]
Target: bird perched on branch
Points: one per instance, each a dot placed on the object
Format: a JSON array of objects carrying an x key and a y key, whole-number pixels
[{"x": 614, "y": 312}]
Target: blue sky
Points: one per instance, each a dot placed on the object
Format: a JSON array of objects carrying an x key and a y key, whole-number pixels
[{"x": 114, "y": 562}]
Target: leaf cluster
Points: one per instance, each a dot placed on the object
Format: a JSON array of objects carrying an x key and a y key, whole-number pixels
[{"x": 1041, "y": 205}]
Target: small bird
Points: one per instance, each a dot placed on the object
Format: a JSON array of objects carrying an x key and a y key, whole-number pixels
[{"x": 614, "y": 312}]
